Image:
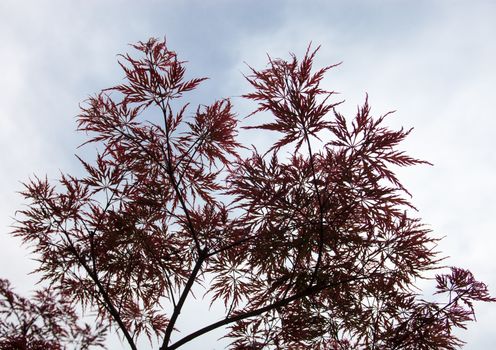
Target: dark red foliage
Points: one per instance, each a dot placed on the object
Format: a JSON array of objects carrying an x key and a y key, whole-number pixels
[
  {"x": 46, "y": 321},
  {"x": 312, "y": 249}
]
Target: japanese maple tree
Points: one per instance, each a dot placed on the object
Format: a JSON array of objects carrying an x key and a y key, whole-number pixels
[{"x": 309, "y": 244}]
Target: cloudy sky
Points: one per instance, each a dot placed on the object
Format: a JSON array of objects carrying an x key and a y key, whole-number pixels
[{"x": 432, "y": 61}]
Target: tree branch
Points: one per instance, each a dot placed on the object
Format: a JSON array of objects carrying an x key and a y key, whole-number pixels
[
  {"x": 321, "y": 207},
  {"x": 182, "y": 299},
  {"x": 170, "y": 172},
  {"x": 107, "y": 302},
  {"x": 313, "y": 289}
]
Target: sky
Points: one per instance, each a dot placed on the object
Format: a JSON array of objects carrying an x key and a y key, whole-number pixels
[{"x": 431, "y": 61}]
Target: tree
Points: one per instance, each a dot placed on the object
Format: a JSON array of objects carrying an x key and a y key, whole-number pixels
[{"x": 310, "y": 244}]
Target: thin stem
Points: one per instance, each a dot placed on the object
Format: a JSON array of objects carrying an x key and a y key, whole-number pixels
[
  {"x": 182, "y": 299},
  {"x": 424, "y": 321},
  {"x": 321, "y": 208},
  {"x": 200, "y": 140},
  {"x": 107, "y": 302},
  {"x": 175, "y": 185},
  {"x": 280, "y": 303},
  {"x": 168, "y": 170}
]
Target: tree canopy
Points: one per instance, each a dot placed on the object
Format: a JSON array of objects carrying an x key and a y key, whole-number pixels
[{"x": 311, "y": 243}]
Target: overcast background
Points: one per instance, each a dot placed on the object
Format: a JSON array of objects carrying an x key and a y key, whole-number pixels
[{"x": 432, "y": 61}]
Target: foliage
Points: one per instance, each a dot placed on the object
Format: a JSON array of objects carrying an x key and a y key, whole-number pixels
[
  {"x": 45, "y": 322},
  {"x": 313, "y": 248}
]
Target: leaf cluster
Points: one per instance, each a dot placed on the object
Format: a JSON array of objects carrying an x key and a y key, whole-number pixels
[
  {"x": 314, "y": 249},
  {"x": 45, "y": 321}
]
